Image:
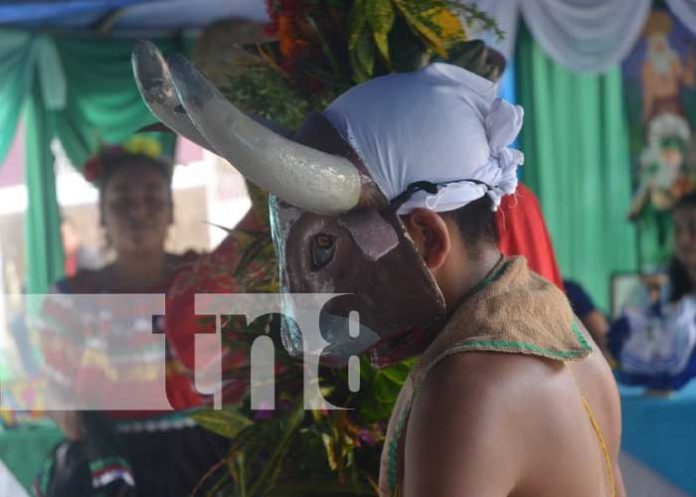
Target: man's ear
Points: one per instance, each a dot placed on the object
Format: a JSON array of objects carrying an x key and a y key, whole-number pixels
[{"x": 430, "y": 235}]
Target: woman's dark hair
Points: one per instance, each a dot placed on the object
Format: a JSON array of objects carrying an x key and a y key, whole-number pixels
[
  {"x": 688, "y": 200},
  {"x": 678, "y": 274},
  {"x": 679, "y": 280},
  {"x": 111, "y": 163},
  {"x": 477, "y": 223}
]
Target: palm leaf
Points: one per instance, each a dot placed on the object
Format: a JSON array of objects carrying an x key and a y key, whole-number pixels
[{"x": 227, "y": 423}]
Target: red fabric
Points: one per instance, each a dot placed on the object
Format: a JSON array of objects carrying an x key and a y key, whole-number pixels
[
  {"x": 243, "y": 263},
  {"x": 70, "y": 267},
  {"x": 523, "y": 232}
]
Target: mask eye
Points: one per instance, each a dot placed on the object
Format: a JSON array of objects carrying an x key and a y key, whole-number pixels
[{"x": 323, "y": 248}]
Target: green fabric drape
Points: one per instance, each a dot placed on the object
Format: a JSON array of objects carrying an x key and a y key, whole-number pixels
[
  {"x": 577, "y": 161},
  {"x": 14, "y": 51},
  {"x": 78, "y": 90},
  {"x": 103, "y": 103},
  {"x": 23, "y": 448},
  {"x": 43, "y": 248},
  {"x": 31, "y": 78},
  {"x": 25, "y": 59}
]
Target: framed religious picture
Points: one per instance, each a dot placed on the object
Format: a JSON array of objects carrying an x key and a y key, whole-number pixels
[{"x": 660, "y": 95}]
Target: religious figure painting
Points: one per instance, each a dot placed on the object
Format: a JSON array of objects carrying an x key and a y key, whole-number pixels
[{"x": 660, "y": 92}]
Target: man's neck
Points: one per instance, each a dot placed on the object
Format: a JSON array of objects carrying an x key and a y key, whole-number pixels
[{"x": 470, "y": 275}]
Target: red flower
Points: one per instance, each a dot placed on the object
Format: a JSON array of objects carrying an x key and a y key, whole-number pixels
[
  {"x": 281, "y": 8},
  {"x": 92, "y": 169}
]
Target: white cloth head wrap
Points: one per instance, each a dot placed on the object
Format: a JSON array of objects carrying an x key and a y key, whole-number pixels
[{"x": 441, "y": 124}]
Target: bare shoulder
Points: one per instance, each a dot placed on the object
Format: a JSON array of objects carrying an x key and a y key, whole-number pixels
[
  {"x": 481, "y": 377},
  {"x": 523, "y": 387},
  {"x": 474, "y": 407},
  {"x": 520, "y": 415}
]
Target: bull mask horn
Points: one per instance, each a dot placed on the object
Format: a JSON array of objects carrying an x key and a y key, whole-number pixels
[
  {"x": 302, "y": 176},
  {"x": 157, "y": 89}
]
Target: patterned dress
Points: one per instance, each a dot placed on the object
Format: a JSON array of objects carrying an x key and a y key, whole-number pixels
[{"x": 93, "y": 353}]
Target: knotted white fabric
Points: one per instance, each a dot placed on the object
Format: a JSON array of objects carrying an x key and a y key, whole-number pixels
[{"x": 442, "y": 124}]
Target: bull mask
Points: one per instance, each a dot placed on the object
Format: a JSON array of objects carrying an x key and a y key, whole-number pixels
[{"x": 333, "y": 229}]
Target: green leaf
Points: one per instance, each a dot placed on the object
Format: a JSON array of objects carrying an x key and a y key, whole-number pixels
[
  {"x": 365, "y": 53},
  {"x": 357, "y": 21},
  {"x": 385, "y": 390},
  {"x": 434, "y": 22},
  {"x": 360, "y": 47},
  {"x": 410, "y": 15},
  {"x": 398, "y": 372},
  {"x": 382, "y": 42},
  {"x": 325, "y": 47},
  {"x": 363, "y": 57},
  {"x": 274, "y": 463},
  {"x": 380, "y": 15},
  {"x": 330, "y": 450},
  {"x": 227, "y": 423}
]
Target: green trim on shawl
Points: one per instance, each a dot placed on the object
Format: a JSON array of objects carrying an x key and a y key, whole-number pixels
[
  {"x": 581, "y": 338},
  {"x": 525, "y": 348},
  {"x": 393, "y": 448},
  {"x": 493, "y": 276}
]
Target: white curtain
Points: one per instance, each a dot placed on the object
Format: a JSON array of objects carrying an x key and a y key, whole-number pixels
[
  {"x": 685, "y": 10},
  {"x": 584, "y": 35}
]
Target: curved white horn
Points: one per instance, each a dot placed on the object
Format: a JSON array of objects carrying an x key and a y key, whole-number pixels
[
  {"x": 302, "y": 176},
  {"x": 155, "y": 84}
]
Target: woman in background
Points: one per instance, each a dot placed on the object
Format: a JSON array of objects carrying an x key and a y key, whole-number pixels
[
  {"x": 655, "y": 344},
  {"x": 122, "y": 453}
]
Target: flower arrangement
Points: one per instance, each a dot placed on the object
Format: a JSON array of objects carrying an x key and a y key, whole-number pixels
[{"x": 324, "y": 47}]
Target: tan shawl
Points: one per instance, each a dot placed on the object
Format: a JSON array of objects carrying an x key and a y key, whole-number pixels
[{"x": 515, "y": 311}]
